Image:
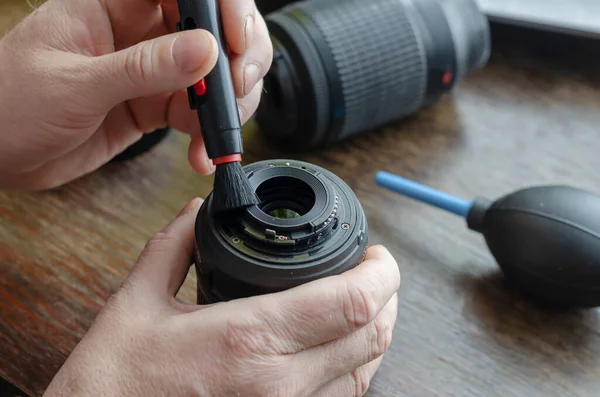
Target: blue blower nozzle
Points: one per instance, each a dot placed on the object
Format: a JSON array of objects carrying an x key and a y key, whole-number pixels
[{"x": 424, "y": 194}]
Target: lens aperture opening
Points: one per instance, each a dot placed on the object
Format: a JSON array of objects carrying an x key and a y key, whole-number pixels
[{"x": 285, "y": 197}]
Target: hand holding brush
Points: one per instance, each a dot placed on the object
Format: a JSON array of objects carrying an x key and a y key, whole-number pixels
[{"x": 215, "y": 101}]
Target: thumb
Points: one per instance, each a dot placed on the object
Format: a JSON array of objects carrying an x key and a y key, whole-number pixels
[
  {"x": 162, "y": 65},
  {"x": 164, "y": 263}
]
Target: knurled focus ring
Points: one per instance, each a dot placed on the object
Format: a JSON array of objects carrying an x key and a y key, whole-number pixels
[{"x": 379, "y": 57}]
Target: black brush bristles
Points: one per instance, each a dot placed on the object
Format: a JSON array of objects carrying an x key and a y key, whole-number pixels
[{"x": 232, "y": 189}]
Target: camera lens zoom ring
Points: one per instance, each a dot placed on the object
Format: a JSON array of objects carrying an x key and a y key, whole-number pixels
[{"x": 380, "y": 60}]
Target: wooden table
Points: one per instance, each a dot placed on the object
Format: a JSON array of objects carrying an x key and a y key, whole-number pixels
[{"x": 460, "y": 331}]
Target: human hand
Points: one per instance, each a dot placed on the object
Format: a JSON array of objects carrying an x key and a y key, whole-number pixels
[
  {"x": 325, "y": 338},
  {"x": 81, "y": 80}
]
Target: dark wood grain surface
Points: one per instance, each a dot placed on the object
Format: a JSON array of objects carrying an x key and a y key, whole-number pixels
[{"x": 528, "y": 118}]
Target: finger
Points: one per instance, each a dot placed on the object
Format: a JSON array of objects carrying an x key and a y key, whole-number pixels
[
  {"x": 324, "y": 363},
  {"x": 333, "y": 307},
  {"x": 171, "y": 15},
  {"x": 185, "y": 120},
  {"x": 250, "y": 61},
  {"x": 248, "y": 105},
  {"x": 117, "y": 132},
  {"x": 163, "y": 65},
  {"x": 180, "y": 116},
  {"x": 164, "y": 263},
  {"x": 198, "y": 158},
  {"x": 353, "y": 384},
  {"x": 133, "y": 20},
  {"x": 239, "y": 19},
  {"x": 249, "y": 69},
  {"x": 150, "y": 113}
]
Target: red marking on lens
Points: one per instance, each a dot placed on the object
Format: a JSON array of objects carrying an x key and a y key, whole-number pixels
[{"x": 447, "y": 78}]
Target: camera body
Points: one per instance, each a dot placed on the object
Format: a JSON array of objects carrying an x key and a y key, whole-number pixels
[{"x": 309, "y": 225}]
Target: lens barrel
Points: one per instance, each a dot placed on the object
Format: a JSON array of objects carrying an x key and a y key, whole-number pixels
[
  {"x": 308, "y": 225},
  {"x": 267, "y": 6},
  {"x": 344, "y": 67}
]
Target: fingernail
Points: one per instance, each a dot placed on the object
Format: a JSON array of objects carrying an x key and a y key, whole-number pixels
[
  {"x": 251, "y": 77},
  {"x": 190, "y": 50},
  {"x": 190, "y": 206},
  {"x": 248, "y": 30}
]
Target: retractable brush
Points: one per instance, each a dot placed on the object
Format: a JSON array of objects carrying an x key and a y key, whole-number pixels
[{"x": 214, "y": 99}]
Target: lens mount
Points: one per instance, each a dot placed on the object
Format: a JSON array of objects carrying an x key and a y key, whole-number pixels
[
  {"x": 277, "y": 184},
  {"x": 308, "y": 225}
]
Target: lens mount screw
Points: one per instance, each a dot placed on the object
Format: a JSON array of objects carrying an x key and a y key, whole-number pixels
[
  {"x": 235, "y": 240},
  {"x": 345, "y": 226}
]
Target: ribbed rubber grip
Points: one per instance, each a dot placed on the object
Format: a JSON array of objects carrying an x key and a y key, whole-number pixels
[{"x": 379, "y": 57}]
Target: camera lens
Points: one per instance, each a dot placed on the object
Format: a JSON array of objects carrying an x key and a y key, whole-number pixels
[
  {"x": 267, "y": 6},
  {"x": 144, "y": 144},
  {"x": 343, "y": 67},
  {"x": 308, "y": 225}
]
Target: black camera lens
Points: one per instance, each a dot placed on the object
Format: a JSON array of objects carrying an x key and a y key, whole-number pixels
[
  {"x": 343, "y": 67},
  {"x": 308, "y": 225},
  {"x": 143, "y": 145},
  {"x": 267, "y": 6}
]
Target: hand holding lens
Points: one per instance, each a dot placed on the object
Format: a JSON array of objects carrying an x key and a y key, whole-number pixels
[{"x": 309, "y": 225}]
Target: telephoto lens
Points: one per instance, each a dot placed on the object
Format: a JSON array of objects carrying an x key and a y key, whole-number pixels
[
  {"x": 267, "y": 6},
  {"x": 309, "y": 225},
  {"x": 344, "y": 67}
]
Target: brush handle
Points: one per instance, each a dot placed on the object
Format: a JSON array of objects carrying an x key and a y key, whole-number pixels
[
  {"x": 213, "y": 97},
  {"x": 424, "y": 194}
]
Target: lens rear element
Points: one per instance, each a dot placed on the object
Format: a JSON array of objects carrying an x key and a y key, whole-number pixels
[{"x": 284, "y": 213}]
